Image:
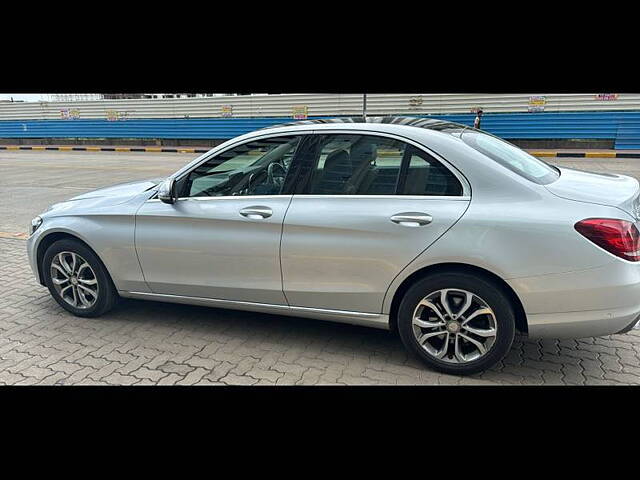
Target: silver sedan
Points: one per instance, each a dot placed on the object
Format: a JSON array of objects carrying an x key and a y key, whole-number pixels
[{"x": 452, "y": 237}]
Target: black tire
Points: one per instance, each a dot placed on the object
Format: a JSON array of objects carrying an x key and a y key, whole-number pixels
[
  {"x": 107, "y": 294},
  {"x": 491, "y": 293}
]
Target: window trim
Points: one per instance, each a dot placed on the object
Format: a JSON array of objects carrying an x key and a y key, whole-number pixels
[
  {"x": 289, "y": 180},
  {"x": 307, "y": 136},
  {"x": 406, "y": 197},
  {"x": 404, "y": 168},
  {"x": 300, "y": 187},
  {"x": 222, "y": 197},
  {"x": 406, "y": 164}
]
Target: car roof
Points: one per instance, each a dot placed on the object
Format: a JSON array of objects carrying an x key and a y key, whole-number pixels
[
  {"x": 409, "y": 127},
  {"x": 433, "y": 124},
  {"x": 440, "y": 137}
]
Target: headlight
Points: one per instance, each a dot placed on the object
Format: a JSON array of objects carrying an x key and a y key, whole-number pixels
[{"x": 35, "y": 223}]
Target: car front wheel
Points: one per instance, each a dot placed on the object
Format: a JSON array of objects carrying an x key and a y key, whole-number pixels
[
  {"x": 77, "y": 280},
  {"x": 457, "y": 323}
]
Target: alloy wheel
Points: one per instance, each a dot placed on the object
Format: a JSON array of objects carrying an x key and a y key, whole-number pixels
[
  {"x": 74, "y": 280},
  {"x": 454, "y": 326}
]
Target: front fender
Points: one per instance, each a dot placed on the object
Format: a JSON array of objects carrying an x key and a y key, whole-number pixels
[{"x": 109, "y": 235}]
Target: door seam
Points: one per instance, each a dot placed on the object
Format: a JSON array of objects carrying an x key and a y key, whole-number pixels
[
  {"x": 284, "y": 219},
  {"x": 387, "y": 292},
  {"x": 135, "y": 245}
]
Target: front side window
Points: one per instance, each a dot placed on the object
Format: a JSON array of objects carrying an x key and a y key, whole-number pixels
[
  {"x": 255, "y": 168},
  {"x": 511, "y": 157},
  {"x": 371, "y": 165}
]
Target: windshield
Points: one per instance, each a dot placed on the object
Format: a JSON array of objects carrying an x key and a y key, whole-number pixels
[{"x": 510, "y": 156}]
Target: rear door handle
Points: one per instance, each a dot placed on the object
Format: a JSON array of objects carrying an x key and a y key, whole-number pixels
[
  {"x": 412, "y": 219},
  {"x": 256, "y": 213}
]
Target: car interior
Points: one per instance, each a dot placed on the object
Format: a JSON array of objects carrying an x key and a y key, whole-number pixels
[
  {"x": 366, "y": 165},
  {"x": 346, "y": 165},
  {"x": 254, "y": 169}
]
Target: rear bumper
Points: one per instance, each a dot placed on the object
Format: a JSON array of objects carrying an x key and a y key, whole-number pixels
[
  {"x": 594, "y": 323},
  {"x": 634, "y": 325},
  {"x": 587, "y": 303}
]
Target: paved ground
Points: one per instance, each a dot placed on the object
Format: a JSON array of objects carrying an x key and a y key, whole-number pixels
[
  {"x": 31, "y": 181},
  {"x": 154, "y": 343}
]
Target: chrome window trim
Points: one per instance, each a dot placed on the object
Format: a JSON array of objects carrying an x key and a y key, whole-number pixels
[
  {"x": 406, "y": 197},
  {"x": 225, "y": 197},
  {"x": 189, "y": 168},
  {"x": 462, "y": 198},
  {"x": 466, "y": 185}
]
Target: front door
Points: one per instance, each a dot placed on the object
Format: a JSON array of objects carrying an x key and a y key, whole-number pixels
[
  {"x": 371, "y": 205},
  {"x": 221, "y": 238}
]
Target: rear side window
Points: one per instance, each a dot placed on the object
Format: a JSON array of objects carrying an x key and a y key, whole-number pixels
[
  {"x": 370, "y": 165},
  {"x": 427, "y": 176},
  {"x": 357, "y": 165},
  {"x": 511, "y": 157}
]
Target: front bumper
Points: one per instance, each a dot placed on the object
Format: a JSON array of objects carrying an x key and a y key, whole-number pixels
[
  {"x": 32, "y": 245},
  {"x": 587, "y": 303}
]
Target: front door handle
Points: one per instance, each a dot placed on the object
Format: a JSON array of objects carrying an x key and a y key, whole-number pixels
[
  {"x": 256, "y": 213},
  {"x": 412, "y": 219}
]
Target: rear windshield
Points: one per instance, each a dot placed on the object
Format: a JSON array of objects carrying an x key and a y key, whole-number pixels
[{"x": 510, "y": 156}]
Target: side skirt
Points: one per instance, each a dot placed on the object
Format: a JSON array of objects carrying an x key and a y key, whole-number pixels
[{"x": 374, "y": 320}]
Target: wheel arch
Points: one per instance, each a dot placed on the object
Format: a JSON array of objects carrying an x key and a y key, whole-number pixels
[
  {"x": 50, "y": 239},
  {"x": 520, "y": 315}
]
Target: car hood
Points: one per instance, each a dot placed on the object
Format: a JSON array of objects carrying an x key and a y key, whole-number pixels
[
  {"x": 608, "y": 189},
  {"x": 101, "y": 198},
  {"x": 122, "y": 190}
]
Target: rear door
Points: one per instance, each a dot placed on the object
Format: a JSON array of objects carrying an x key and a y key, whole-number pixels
[{"x": 365, "y": 207}]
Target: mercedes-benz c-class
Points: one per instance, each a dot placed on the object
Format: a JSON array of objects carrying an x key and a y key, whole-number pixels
[{"x": 448, "y": 235}]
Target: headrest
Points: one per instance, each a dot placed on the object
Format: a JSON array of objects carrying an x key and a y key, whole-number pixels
[
  {"x": 338, "y": 159},
  {"x": 364, "y": 150}
]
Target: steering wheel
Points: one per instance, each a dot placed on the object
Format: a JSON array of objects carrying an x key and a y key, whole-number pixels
[{"x": 270, "y": 178}]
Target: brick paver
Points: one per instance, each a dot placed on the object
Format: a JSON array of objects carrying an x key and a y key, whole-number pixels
[{"x": 146, "y": 343}]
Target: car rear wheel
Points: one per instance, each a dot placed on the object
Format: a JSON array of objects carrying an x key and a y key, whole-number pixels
[
  {"x": 77, "y": 280},
  {"x": 457, "y": 323}
]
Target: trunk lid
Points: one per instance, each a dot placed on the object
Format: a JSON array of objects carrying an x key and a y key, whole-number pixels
[{"x": 608, "y": 189}]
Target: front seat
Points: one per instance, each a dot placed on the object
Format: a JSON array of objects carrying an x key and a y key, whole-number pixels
[
  {"x": 337, "y": 170},
  {"x": 363, "y": 155}
]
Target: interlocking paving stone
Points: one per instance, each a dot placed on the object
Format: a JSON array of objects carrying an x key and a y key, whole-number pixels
[
  {"x": 193, "y": 377},
  {"x": 146, "y": 343},
  {"x": 233, "y": 379}
]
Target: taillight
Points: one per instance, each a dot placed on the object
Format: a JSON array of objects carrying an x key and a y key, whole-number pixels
[{"x": 616, "y": 236}]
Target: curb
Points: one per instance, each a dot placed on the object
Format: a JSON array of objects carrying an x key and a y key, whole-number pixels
[
  {"x": 110, "y": 149},
  {"x": 583, "y": 154}
]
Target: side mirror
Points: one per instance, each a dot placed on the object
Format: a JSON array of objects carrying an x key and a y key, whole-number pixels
[{"x": 167, "y": 191}]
